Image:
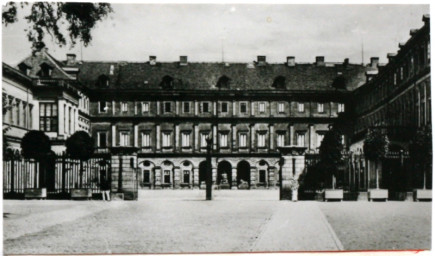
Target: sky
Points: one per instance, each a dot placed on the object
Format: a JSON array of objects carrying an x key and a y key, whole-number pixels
[{"x": 235, "y": 33}]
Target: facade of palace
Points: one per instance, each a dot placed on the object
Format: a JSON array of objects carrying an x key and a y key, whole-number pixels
[{"x": 168, "y": 109}]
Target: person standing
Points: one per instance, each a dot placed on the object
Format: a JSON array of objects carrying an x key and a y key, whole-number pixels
[{"x": 105, "y": 188}]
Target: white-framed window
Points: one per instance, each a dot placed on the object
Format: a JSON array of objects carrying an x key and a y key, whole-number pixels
[
  {"x": 261, "y": 107},
  {"x": 280, "y": 107},
  {"x": 185, "y": 139},
  {"x": 395, "y": 79},
  {"x": 340, "y": 107},
  {"x": 280, "y": 139},
  {"x": 145, "y": 107},
  {"x": 186, "y": 107},
  {"x": 301, "y": 139},
  {"x": 203, "y": 140},
  {"x": 223, "y": 140},
  {"x": 102, "y": 139},
  {"x": 166, "y": 139},
  {"x": 224, "y": 107},
  {"x": 301, "y": 107},
  {"x": 320, "y": 107},
  {"x": 261, "y": 139},
  {"x": 320, "y": 137},
  {"x": 146, "y": 139},
  {"x": 124, "y": 106},
  {"x": 243, "y": 139},
  {"x": 124, "y": 139},
  {"x": 102, "y": 107},
  {"x": 243, "y": 108},
  {"x": 205, "y": 107}
]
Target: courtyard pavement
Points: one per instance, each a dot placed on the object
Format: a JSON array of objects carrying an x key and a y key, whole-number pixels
[{"x": 168, "y": 221}]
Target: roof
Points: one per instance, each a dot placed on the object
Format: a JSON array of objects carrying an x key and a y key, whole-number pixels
[{"x": 204, "y": 76}]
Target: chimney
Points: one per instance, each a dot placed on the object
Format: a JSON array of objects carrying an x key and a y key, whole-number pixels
[
  {"x": 183, "y": 60},
  {"x": 401, "y": 45},
  {"x": 413, "y": 32},
  {"x": 374, "y": 61},
  {"x": 291, "y": 61},
  {"x": 391, "y": 56},
  {"x": 261, "y": 60},
  {"x": 346, "y": 62},
  {"x": 153, "y": 60},
  {"x": 320, "y": 61},
  {"x": 426, "y": 19},
  {"x": 70, "y": 59}
]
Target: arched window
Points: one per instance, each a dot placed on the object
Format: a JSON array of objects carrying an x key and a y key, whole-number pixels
[
  {"x": 103, "y": 81},
  {"x": 223, "y": 82},
  {"x": 167, "y": 82},
  {"x": 279, "y": 82}
]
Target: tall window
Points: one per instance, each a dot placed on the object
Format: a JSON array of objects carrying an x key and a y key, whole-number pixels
[
  {"x": 243, "y": 107},
  {"x": 166, "y": 139},
  {"x": 102, "y": 106},
  {"x": 186, "y": 107},
  {"x": 102, "y": 139},
  {"x": 48, "y": 117},
  {"x": 224, "y": 107},
  {"x": 280, "y": 140},
  {"x": 320, "y": 107},
  {"x": 205, "y": 107},
  {"x": 243, "y": 137},
  {"x": 146, "y": 139},
  {"x": 124, "y": 139},
  {"x": 124, "y": 106},
  {"x": 261, "y": 143},
  {"x": 204, "y": 137},
  {"x": 145, "y": 107},
  {"x": 301, "y": 107},
  {"x": 320, "y": 137},
  {"x": 280, "y": 107},
  {"x": 167, "y": 107},
  {"x": 301, "y": 139},
  {"x": 262, "y": 178},
  {"x": 167, "y": 176},
  {"x": 261, "y": 107},
  {"x": 223, "y": 142},
  {"x": 401, "y": 73},
  {"x": 395, "y": 79},
  {"x": 185, "y": 139},
  {"x": 186, "y": 176},
  {"x": 340, "y": 107}
]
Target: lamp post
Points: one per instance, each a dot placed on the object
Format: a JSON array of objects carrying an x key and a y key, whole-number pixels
[{"x": 208, "y": 177}]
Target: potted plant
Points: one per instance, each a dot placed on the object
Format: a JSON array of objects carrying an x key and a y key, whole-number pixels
[
  {"x": 80, "y": 146},
  {"x": 36, "y": 145},
  {"x": 375, "y": 148},
  {"x": 420, "y": 150},
  {"x": 331, "y": 157}
]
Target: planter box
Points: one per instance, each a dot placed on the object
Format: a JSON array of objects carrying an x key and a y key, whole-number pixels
[
  {"x": 80, "y": 193},
  {"x": 378, "y": 194},
  {"x": 35, "y": 193},
  {"x": 422, "y": 194},
  {"x": 334, "y": 194}
]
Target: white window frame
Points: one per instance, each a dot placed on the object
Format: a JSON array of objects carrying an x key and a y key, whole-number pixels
[
  {"x": 146, "y": 139},
  {"x": 280, "y": 139},
  {"x": 98, "y": 142},
  {"x": 301, "y": 107},
  {"x": 203, "y": 139},
  {"x": 185, "y": 139},
  {"x": 223, "y": 140},
  {"x": 145, "y": 107},
  {"x": 202, "y": 107},
  {"x": 243, "y": 140},
  {"x": 320, "y": 108},
  {"x": 184, "y": 103},
  {"x": 320, "y": 136},
  {"x": 281, "y": 107},
  {"x": 124, "y": 107},
  {"x": 261, "y": 107},
  {"x": 240, "y": 107},
  {"x": 124, "y": 138},
  {"x": 166, "y": 139},
  {"x": 99, "y": 107},
  {"x": 340, "y": 107},
  {"x": 300, "y": 139},
  {"x": 261, "y": 139}
]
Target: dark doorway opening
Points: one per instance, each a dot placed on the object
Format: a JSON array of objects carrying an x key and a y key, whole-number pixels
[
  {"x": 244, "y": 172},
  {"x": 202, "y": 172},
  {"x": 224, "y": 169}
]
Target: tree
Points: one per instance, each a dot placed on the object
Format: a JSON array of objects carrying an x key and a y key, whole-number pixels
[
  {"x": 375, "y": 148},
  {"x": 420, "y": 149},
  {"x": 80, "y": 146},
  {"x": 330, "y": 152},
  {"x": 36, "y": 145},
  {"x": 78, "y": 19}
]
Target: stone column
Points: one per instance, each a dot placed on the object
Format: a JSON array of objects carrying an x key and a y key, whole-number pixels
[
  {"x": 271, "y": 177},
  {"x": 177, "y": 177},
  {"x": 177, "y": 107},
  {"x": 196, "y": 145},
  {"x": 136, "y": 135},
  {"x": 113, "y": 107},
  {"x": 158, "y": 107},
  {"x": 158, "y": 173},
  {"x": 234, "y": 178},
  {"x": 292, "y": 135},
  {"x": 196, "y": 177},
  {"x": 214, "y": 137},
  {"x": 113, "y": 135},
  {"x": 177, "y": 137},
  {"x": 196, "y": 108},
  {"x": 233, "y": 138},
  {"x": 254, "y": 177},
  {"x": 214, "y": 108},
  {"x": 158, "y": 137},
  {"x": 271, "y": 137},
  {"x": 293, "y": 164},
  {"x": 214, "y": 174},
  {"x": 60, "y": 112}
]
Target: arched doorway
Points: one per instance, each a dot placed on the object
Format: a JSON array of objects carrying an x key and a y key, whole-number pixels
[
  {"x": 244, "y": 172},
  {"x": 186, "y": 174},
  {"x": 202, "y": 173},
  {"x": 224, "y": 168},
  {"x": 147, "y": 176}
]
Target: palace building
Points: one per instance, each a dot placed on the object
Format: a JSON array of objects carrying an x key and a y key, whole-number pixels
[{"x": 168, "y": 109}]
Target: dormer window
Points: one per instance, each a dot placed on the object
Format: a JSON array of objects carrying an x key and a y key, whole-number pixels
[
  {"x": 223, "y": 82},
  {"x": 103, "y": 81},
  {"x": 46, "y": 70},
  {"x": 167, "y": 82},
  {"x": 279, "y": 83},
  {"x": 24, "y": 68}
]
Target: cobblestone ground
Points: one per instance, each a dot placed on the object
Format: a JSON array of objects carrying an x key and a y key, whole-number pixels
[{"x": 235, "y": 221}]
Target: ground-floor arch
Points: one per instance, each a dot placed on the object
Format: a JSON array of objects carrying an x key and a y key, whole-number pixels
[
  {"x": 243, "y": 172},
  {"x": 224, "y": 174}
]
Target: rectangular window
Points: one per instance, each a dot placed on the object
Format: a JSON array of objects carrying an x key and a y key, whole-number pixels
[
  {"x": 224, "y": 107},
  {"x": 48, "y": 117},
  {"x": 280, "y": 107},
  {"x": 340, "y": 107},
  {"x": 167, "y": 106},
  {"x": 204, "y": 137},
  {"x": 146, "y": 176},
  {"x": 167, "y": 176},
  {"x": 145, "y": 107},
  {"x": 280, "y": 140},
  {"x": 124, "y": 106},
  {"x": 185, "y": 139},
  {"x": 102, "y": 140},
  {"x": 243, "y": 108},
  {"x": 102, "y": 107},
  {"x": 262, "y": 178},
  {"x": 320, "y": 107},
  {"x": 301, "y": 107},
  {"x": 301, "y": 139},
  {"x": 261, "y": 107},
  {"x": 146, "y": 139},
  {"x": 243, "y": 138},
  {"x": 124, "y": 139},
  {"x": 205, "y": 108},
  {"x": 401, "y": 73},
  {"x": 320, "y": 137},
  {"x": 223, "y": 142},
  {"x": 186, "y": 176},
  {"x": 166, "y": 140},
  {"x": 186, "y": 107},
  {"x": 395, "y": 79},
  {"x": 261, "y": 143}
]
